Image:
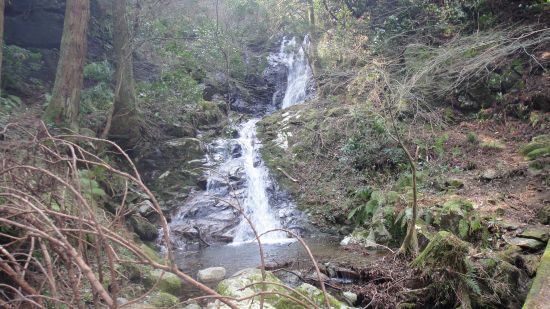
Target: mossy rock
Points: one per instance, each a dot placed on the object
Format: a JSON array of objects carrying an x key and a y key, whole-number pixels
[
  {"x": 167, "y": 282},
  {"x": 452, "y": 214},
  {"x": 143, "y": 228},
  {"x": 543, "y": 214},
  {"x": 150, "y": 252},
  {"x": 499, "y": 278},
  {"x": 163, "y": 300},
  {"x": 242, "y": 284},
  {"x": 539, "y": 294},
  {"x": 454, "y": 184},
  {"x": 444, "y": 250},
  {"x": 538, "y": 147}
]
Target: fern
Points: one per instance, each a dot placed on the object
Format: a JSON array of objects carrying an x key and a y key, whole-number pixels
[{"x": 469, "y": 277}]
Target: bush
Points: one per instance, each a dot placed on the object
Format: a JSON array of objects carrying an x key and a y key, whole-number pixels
[
  {"x": 19, "y": 64},
  {"x": 99, "y": 71},
  {"x": 472, "y": 138},
  {"x": 98, "y": 98}
]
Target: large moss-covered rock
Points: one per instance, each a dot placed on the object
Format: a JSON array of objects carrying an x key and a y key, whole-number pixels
[
  {"x": 538, "y": 147},
  {"x": 143, "y": 228},
  {"x": 242, "y": 284},
  {"x": 543, "y": 214},
  {"x": 501, "y": 284},
  {"x": 163, "y": 300},
  {"x": 452, "y": 214},
  {"x": 167, "y": 282},
  {"x": 539, "y": 294}
]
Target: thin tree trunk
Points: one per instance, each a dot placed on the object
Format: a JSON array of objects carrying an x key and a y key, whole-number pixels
[
  {"x": 63, "y": 108},
  {"x": 312, "y": 52},
  {"x": 126, "y": 123},
  {"x": 1, "y": 40},
  {"x": 409, "y": 246}
]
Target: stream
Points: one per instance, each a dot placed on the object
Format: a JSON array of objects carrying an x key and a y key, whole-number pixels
[{"x": 209, "y": 230}]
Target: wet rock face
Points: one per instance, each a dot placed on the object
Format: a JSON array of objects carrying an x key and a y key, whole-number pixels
[
  {"x": 210, "y": 214},
  {"x": 34, "y": 23}
]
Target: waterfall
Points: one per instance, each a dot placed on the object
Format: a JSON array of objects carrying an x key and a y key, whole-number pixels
[
  {"x": 294, "y": 57},
  {"x": 237, "y": 175},
  {"x": 256, "y": 204}
]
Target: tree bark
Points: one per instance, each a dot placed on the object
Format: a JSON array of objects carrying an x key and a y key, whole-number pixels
[
  {"x": 1, "y": 40},
  {"x": 126, "y": 123},
  {"x": 312, "y": 52},
  {"x": 63, "y": 108}
]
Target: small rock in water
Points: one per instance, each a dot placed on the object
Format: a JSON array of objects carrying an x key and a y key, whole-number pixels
[
  {"x": 350, "y": 297},
  {"x": 212, "y": 274},
  {"x": 236, "y": 151}
]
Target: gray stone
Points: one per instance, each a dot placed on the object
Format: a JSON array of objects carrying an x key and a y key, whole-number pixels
[
  {"x": 525, "y": 243},
  {"x": 145, "y": 208},
  {"x": 143, "y": 228},
  {"x": 489, "y": 174},
  {"x": 242, "y": 285},
  {"x": 535, "y": 233},
  {"x": 350, "y": 297},
  {"x": 212, "y": 274}
]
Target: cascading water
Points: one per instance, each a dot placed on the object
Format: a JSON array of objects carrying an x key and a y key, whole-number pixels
[
  {"x": 299, "y": 72},
  {"x": 256, "y": 202},
  {"x": 236, "y": 174}
]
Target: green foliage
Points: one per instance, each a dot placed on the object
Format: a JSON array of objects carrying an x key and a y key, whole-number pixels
[
  {"x": 538, "y": 147},
  {"x": 370, "y": 148},
  {"x": 370, "y": 203},
  {"x": 18, "y": 66},
  {"x": 97, "y": 98},
  {"x": 9, "y": 103},
  {"x": 90, "y": 185},
  {"x": 472, "y": 138},
  {"x": 98, "y": 71},
  {"x": 439, "y": 145}
]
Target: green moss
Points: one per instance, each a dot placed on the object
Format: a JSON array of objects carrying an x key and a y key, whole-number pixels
[
  {"x": 444, "y": 250},
  {"x": 150, "y": 252},
  {"x": 164, "y": 300},
  {"x": 538, "y": 147},
  {"x": 143, "y": 228}
]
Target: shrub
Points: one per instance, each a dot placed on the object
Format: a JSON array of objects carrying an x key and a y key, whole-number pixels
[
  {"x": 472, "y": 138},
  {"x": 98, "y": 71},
  {"x": 97, "y": 98}
]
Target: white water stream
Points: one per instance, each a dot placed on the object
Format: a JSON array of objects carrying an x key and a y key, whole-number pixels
[{"x": 256, "y": 202}]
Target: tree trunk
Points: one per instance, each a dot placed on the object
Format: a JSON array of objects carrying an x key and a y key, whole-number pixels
[
  {"x": 64, "y": 106},
  {"x": 1, "y": 40},
  {"x": 126, "y": 124},
  {"x": 410, "y": 243},
  {"x": 312, "y": 52}
]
